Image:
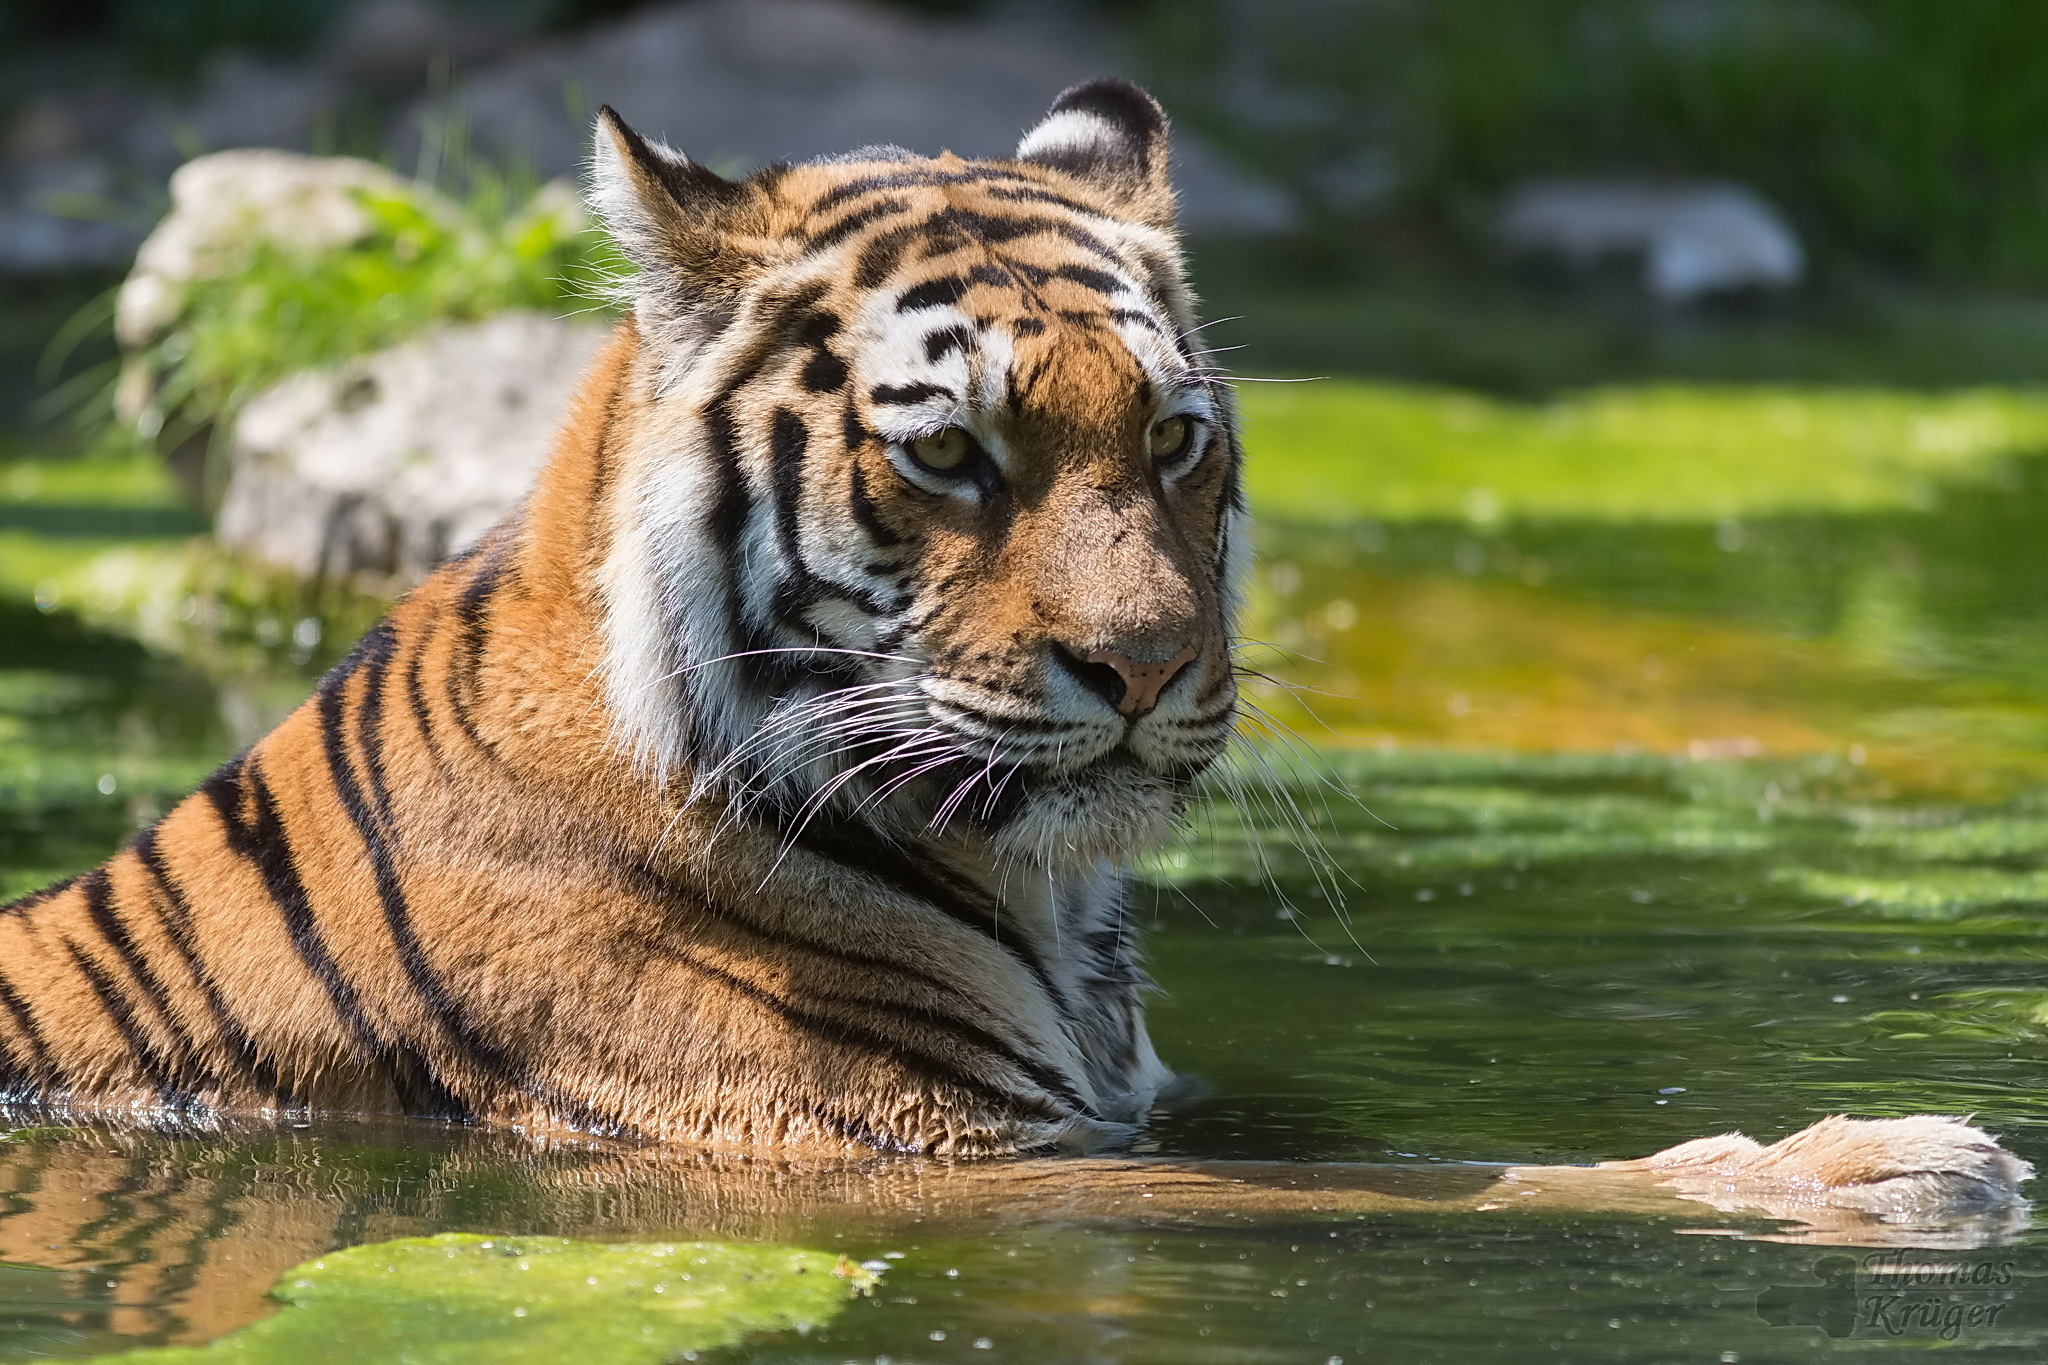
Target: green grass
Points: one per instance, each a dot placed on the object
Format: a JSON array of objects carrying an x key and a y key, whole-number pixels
[{"x": 1338, "y": 450}]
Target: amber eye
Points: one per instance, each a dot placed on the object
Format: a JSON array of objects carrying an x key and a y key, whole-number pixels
[
  {"x": 943, "y": 450},
  {"x": 1171, "y": 438}
]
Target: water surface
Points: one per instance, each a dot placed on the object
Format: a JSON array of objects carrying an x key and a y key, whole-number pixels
[{"x": 1629, "y": 835}]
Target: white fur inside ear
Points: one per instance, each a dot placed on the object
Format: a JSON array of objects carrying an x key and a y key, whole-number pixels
[
  {"x": 1074, "y": 130},
  {"x": 615, "y": 199}
]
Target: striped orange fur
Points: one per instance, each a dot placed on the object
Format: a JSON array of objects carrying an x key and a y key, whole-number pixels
[{"x": 761, "y": 780}]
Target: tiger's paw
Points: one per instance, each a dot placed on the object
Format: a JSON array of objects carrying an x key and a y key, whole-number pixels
[{"x": 1927, "y": 1166}]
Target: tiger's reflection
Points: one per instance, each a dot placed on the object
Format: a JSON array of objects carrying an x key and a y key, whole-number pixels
[{"x": 178, "y": 1236}]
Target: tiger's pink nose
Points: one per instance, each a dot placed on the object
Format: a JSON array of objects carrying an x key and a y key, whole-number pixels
[{"x": 1143, "y": 682}]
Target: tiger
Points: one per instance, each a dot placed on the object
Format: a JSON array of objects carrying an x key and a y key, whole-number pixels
[{"x": 764, "y": 779}]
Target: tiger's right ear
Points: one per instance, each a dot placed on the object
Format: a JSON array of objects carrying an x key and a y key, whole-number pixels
[{"x": 672, "y": 218}]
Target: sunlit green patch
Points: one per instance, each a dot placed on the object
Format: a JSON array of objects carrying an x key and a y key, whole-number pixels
[
  {"x": 1948, "y": 893},
  {"x": 2007, "y": 836},
  {"x": 506, "y": 1300},
  {"x": 1333, "y": 451}
]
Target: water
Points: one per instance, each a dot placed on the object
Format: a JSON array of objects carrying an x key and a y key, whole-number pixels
[{"x": 1793, "y": 860}]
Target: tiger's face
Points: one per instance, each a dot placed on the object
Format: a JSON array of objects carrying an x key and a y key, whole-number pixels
[{"x": 930, "y": 517}]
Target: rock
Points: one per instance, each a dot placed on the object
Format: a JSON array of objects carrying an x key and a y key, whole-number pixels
[
  {"x": 742, "y": 83},
  {"x": 374, "y": 471},
  {"x": 224, "y": 205},
  {"x": 1694, "y": 239}
]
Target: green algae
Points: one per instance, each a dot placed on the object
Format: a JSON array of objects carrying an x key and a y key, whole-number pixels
[{"x": 463, "y": 1297}]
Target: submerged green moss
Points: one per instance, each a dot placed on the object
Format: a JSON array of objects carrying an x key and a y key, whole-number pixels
[{"x": 507, "y": 1300}]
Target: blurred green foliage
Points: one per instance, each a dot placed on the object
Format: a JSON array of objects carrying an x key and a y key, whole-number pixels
[
  {"x": 426, "y": 259},
  {"x": 1898, "y": 134}
]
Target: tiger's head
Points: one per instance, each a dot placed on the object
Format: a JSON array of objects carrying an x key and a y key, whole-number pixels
[{"x": 929, "y": 514}]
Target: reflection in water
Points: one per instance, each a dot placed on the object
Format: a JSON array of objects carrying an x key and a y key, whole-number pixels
[{"x": 121, "y": 1238}]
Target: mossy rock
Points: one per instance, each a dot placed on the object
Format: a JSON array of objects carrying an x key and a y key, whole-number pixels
[{"x": 463, "y": 1297}]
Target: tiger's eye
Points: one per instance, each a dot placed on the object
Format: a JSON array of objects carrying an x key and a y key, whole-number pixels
[
  {"x": 1171, "y": 437},
  {"x": 943, "y": 450}
]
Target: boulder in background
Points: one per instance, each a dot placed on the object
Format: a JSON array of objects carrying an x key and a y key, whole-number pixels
[{"x": 372, "y": 472}]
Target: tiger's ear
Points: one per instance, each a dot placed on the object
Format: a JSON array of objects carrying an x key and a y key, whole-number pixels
[
  {"x": 676, "y": 221},
  {"x": 1110, "y": 135}
]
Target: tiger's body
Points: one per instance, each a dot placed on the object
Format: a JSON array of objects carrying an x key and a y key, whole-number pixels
[{"x": 761, "y": 781}]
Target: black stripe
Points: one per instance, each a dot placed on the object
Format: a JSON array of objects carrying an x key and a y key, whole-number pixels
[
  {"x": 416, "y": 700},
  {"x": 175, "y": 915},
  {"x": 262, "y": 840},
  {"x": 932, "y": 293},
  {"x": 932, "y": 1070},
  {"x": 864, "y": 513},
  {"x": 447, "y": 1011},
  {"x": 1028, "y": 327},
  {"x": 842, "y": 228},
  {"x": 824, "y": 373},
  {"x": 901, "y": 871},
  {"x": 903, "y": 180},
  {"x": 99, "y": 908},
  {"x": 374, "y": 653},
  {"x": 994, "y": 229},
  {"x": 942, "y": 343},
  {"x": 897, "y": 394},
  {"x": 661, "y": 889},
  {"x": 472, "y": 623},
  {"x": 35, "y": 898},
  {"x": 147, "y": 1059},
  {"x": 18, "y": 1010}
]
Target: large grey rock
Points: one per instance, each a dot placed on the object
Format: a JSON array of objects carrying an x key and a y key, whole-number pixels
[
  {"x": 1694, "y": 239},
  {"x": 373, "y": 471},
  {"x": 742, "y": 83}
]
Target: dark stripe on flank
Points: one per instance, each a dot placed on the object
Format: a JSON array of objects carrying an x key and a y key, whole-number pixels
[
  {"x": 447, "y": 1012},
  {"x": 99, "y": 908},
  {"x": 175, "y": 915},
  {"x": 373, "y": 660},
  {"x": 472, "y": 623},
  {"x": 261, "y": 839},
  {"x": 35, "y": 898},
  {"x": 147, "y": 1059},
  {"x": 18, "y": 1010}
]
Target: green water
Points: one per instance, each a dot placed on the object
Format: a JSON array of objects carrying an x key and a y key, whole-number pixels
[{"x": 1538, "y": 956}]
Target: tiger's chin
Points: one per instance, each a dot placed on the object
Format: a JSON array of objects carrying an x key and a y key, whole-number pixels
[{"x": 1111, "y": 809}]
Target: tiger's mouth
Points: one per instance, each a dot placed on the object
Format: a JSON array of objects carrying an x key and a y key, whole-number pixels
[{"x": 1106, "y": 805}]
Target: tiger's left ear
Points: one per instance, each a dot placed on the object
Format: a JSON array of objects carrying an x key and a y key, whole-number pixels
[{"x": 1111, "y": 136}]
